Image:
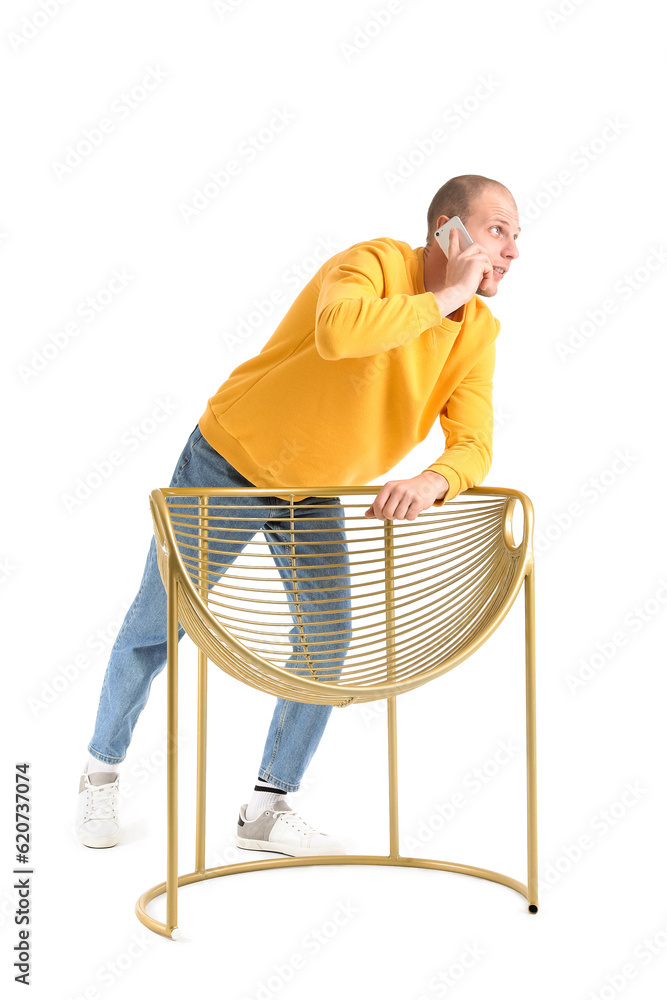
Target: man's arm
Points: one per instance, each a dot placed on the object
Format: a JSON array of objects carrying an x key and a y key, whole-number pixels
[
  {"x": 354, "y": 321},
  {"x": 467, "y": 420}
]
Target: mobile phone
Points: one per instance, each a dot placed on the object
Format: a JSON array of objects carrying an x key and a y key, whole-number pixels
[{"x": 442, "y": 234}]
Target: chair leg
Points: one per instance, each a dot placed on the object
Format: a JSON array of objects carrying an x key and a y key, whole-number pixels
[
  {"x": 393, "y": 777},
  {"x": 531, "y": 749},
  {"x": 391, "y": 671},
  {"x": 172, "y": 753},
  {"x": 200, "y": 836}
]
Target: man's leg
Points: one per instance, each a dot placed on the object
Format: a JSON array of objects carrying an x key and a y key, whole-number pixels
[
  {"x": 139, "y": 653},
  {"x": 314, "y": 567},
  {"x": 140, "y": 650}
]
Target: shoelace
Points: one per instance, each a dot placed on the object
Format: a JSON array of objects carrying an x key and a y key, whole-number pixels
[
  {"x": 294, "y": 819},
  {"x": 102, "y": 801}
]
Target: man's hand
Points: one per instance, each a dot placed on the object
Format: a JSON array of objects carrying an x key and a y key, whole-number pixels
[
  {"x": 405, "y": 499},
  {"x": 466, "y": 271}
]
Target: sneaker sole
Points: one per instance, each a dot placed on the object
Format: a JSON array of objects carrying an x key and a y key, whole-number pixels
[
  {"x": 279, "y": 848},
  {"x": 109, "y": 841}
]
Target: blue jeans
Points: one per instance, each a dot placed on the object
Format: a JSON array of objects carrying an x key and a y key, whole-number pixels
[{"x": 140, "y": 650}]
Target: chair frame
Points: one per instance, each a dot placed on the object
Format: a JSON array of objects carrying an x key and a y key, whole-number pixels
[{"x": 175, "y": 576}]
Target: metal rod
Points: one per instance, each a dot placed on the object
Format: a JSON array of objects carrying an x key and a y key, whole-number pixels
[
  {"x": 172, "y": 751},
  {"x": 531, "y": 748},
  {"x": 343, "y": 859},
  {"x": 326, "y": 491},
  {"x": 200, "y": 834},
  {"x": 295, "y": 582},
  {"x": 391, "y": 701}
]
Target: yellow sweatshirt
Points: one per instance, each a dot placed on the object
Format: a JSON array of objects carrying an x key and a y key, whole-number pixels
[{"x": 354, "y": 377}]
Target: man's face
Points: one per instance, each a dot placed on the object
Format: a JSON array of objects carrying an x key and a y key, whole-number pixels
[{"x": 494, "y": 224}]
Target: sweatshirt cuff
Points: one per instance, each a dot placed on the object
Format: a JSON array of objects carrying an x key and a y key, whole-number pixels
[
  {"x": 452, "y": 478},
  {"x": 427, "y": 309}
]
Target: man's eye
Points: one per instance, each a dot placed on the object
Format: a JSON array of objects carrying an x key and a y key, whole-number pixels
[{"x": 495, "y": 227}]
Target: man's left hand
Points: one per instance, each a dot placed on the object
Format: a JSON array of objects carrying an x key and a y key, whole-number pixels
[{"x": 405, "y": 499}]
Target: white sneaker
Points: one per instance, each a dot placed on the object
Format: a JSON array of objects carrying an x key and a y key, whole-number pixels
[
  {"x": 97, "y": 809},
  {"x": 283, "y": 831}
]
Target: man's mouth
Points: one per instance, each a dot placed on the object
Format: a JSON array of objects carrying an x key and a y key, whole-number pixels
[{"x": 499, "y": 270}]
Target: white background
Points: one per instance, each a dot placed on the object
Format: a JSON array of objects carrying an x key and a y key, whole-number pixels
[{"x": 581, "y": 433}]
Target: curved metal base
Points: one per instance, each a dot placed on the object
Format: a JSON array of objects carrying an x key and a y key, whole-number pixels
[
  {"x": 338, "y": 859},
  {"x": 170, "y": 927}
]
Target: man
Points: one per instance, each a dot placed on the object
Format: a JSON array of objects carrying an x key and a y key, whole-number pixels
[{"x": 381, "y": 342}]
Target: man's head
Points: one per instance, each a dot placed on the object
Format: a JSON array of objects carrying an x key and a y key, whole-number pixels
[{"x": 489, "y": 213}]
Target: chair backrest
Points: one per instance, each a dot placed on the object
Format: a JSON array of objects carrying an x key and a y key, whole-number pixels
[{"x": 324, "y": 605}]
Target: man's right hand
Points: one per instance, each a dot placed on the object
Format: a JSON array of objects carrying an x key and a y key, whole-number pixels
[{"x": 467, "y": 270}]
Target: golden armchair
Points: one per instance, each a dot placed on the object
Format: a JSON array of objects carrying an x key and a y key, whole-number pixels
[{"x": 381, "y": 608}]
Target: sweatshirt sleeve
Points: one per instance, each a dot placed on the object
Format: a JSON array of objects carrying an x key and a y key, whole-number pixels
[
  {"x": 354, "y": 321},
  {"x": 467, "y": 420}
]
